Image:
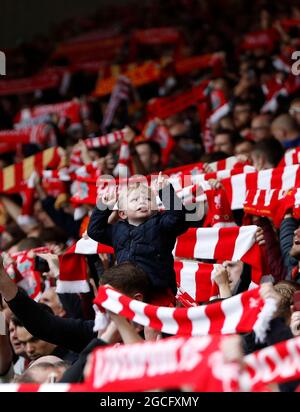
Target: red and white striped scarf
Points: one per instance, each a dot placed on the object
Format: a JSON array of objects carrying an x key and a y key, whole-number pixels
[
  {"x": 105, "y": 140},
  {"x": 197, "y": 363},
  {"x": 176, "y": 362},
  {"x": 12, "y": 177},
  {"x": 39, "y": 134},
  {"x": 72, "y": 265},
  {"x": 276, "y": 88},
  {"x": 229, "y": 243},
  {"x": 182, "y": 178},
  {"x": 23, "y": 273},
  {"x": 291, "y": 157},
  {"x": 69, "y": 109},
  {"x": 277, "y": 363},
  {"x": 241, "y": 313},
  {"x": 273, "y": 203},
  {"x": 236, "y": 186},
  {"x": 196, "y": 279},
  {"x": 229, "y": 163}
]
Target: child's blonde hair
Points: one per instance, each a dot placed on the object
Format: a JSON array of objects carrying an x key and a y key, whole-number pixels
[{"x": 125, "y": 191}]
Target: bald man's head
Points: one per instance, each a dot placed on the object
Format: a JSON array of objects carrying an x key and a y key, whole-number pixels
[{"x": 284, "y": 128}]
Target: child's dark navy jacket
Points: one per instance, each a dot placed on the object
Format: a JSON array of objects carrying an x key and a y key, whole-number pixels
[{"x": 150, "y": 244}]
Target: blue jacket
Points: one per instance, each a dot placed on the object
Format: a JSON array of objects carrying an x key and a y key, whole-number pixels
[{"x": 150, "y": 244}]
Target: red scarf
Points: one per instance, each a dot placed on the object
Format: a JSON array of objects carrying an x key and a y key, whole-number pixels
[
  {"x": 23, "y": 273},
  {"x": 169, "y": 363},
  {"x": 291, "y": 157},
  {"x": 72, "y": 264},
  {"x": 236, "y": 187},
  {"x": 208, "y": 243},
  {"x": 102, "y": 141},
  {"x": 241, "y": 313},
  {"x": 196, "y": 279},
  {"x": 196, "y": 363},
  {"x": 11, "y": 177},
  {"x": 273, "y": 203}
]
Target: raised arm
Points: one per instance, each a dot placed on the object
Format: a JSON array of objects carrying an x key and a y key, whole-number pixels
[
  {"x": 173, "y": 218},
  {"x": 99, "y": 228},
  {"x": 73, "y": 334}
]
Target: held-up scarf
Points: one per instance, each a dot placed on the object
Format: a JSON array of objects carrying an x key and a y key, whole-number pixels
[
  {"x": 182, "y": 176},
  {"x": 273, "y": 203},
  {"x": 228, "y": 243},
  {"x": 205, "y": 61},
  {"x": 264, "y": 39},
  {"x": 196, "y": 279},
  {"x": 46, "y": 79},
  {"x": 291, "y": 157},
  {"x": 139, "y": 75},
  {"x": 154, "y": 36},
  {"x": 94, "y": 143},
  {"x": 210, "y": 112},
  {"x": 174, "y": 363},
  {"x": 164, "y": 107},
  {"x": 283, "y": 178},
  {"x": 72, "y": 265},
  {"x": 277, "y": 363},
  {"x": 12, "y": 176},
  {"x": 69, "y": 109},
  {"x": 105, "y": 140},
  {"x": 241, "y": 313},
  {"x": 195, "y": 363},
  {"x": 23, "y": 273},
  {"x": 275, "y": 88},
  {"x": 39, "y": 134}
]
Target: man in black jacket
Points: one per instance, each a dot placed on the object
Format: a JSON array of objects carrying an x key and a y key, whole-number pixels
[{"x": 71, "y": 334}]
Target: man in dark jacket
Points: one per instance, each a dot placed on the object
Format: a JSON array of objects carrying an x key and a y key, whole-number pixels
[
  {"x": 143, "y": 235},
  {"x": 71, "y": 334},
  {"x": 290, "y": 246}
]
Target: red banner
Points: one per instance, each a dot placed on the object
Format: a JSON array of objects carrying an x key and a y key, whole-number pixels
[
  {"x": 42, "y": 81},
  {"x": 164, "y": 107},
  {"x": 139, "y": 75},
  {"x": 199, "y": 62},
  {"x": 105, "y": 45},
  {"x": 264, "y": 39},
  {"x": 167, "y": 364}
]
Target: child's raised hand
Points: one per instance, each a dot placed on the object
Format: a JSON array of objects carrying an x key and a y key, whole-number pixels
[
  {"x": 160, "y": 182},
  {"x": 109, "y": 198}
]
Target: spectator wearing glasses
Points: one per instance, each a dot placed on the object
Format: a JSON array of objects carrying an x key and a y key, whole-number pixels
[{"x": 261, "y": 127}]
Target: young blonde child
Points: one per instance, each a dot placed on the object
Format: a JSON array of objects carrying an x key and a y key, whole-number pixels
[{"x": 143, "y": 235}]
